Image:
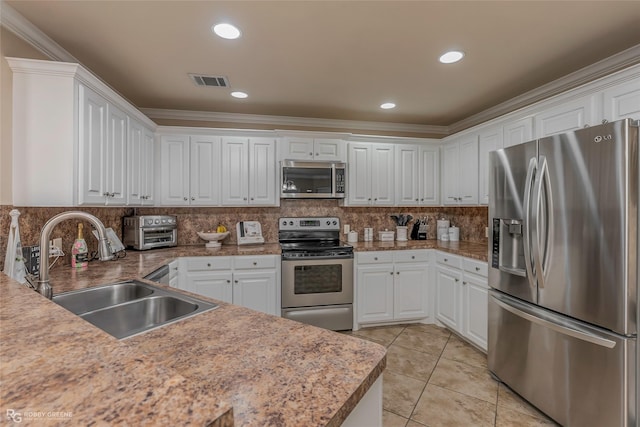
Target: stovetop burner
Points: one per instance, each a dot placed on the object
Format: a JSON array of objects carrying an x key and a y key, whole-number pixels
[{"x": 317, "y": 237}]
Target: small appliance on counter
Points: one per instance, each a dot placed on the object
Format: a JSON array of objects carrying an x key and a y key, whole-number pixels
[
  {"x": 249, "y": 233},
  {"x": 144, "y": 232},
  {"x": 419, "y": 230}
]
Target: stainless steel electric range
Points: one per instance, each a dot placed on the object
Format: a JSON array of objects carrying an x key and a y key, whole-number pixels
[{"x": 317, "y": 273}]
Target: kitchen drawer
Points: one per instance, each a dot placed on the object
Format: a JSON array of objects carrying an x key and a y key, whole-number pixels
[
  {"x": 476, "y": 267},
  {"x": 252, "y": 262},
  {"x": 411, "y": 256},
  {"x": 448, "y": 259},
  {"x": 375, "y": 257},
  {"x": 208, "y": 263}
]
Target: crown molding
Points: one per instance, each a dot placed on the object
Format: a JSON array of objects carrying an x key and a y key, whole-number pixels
[
  {"x": 609, "y": 65},
  {"x": 275, "y": 121},
  {"x": 21, "y": 27}
]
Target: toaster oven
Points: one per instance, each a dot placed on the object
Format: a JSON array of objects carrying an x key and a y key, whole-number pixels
[{"x": 144, "y": 232}]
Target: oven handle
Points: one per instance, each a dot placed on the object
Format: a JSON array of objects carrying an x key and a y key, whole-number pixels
[{"x": 311, "y": 259}]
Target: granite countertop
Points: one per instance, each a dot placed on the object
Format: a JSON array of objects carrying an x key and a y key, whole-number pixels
[
  {"x": 228, "y": 366},
  {"x": 475, "y": 250}
]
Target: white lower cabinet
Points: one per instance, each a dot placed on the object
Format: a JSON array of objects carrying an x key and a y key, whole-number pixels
[
  {"x": 249, "y": 281},
  {"x": 461, "y": 296},
  {"x": 392, "y": 286}
]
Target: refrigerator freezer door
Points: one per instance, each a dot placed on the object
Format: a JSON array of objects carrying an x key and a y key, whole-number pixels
[
  {"x": 511, "y": 174},
  {"x": 586, "y": 220},
  {"x": 577, "y": 374}
]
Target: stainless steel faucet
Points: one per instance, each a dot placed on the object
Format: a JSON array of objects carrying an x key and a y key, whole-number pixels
[{"x": 104, "y": 250}]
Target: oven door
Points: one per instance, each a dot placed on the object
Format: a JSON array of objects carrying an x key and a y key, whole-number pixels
[{"x": 314, "y": 282}]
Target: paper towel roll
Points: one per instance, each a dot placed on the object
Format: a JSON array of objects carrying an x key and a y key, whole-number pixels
[
  {"x": 442, "y": 228},
  {"x": 352, "y": 236}
]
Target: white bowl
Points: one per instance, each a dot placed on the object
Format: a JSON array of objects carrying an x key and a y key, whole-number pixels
[{"x": 213, "y": 238}]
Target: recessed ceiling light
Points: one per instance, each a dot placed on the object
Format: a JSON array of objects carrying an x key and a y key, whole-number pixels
[
  {"x": 388, "y": 105},
  {"x": 451, "y": 57},
  {"x": 240, "y": 95},
  {"x": 226, "y": 31}
]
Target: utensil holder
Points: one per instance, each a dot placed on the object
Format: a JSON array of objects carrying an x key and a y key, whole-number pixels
[{"x": 401, "y": 233}]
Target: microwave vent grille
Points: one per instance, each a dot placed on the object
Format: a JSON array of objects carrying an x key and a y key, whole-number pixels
[{"x": 210, "y": 81}]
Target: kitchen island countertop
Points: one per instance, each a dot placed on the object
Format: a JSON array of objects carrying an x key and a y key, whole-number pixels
[{"x": 228, "y": 366}]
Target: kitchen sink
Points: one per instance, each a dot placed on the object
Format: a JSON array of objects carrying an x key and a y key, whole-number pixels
[
  {"x": 130, "y": 308},
  {"x": 85, "y": 300}
]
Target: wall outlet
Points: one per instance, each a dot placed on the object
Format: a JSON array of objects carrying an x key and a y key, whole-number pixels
[{"x": 58, "y": 243}]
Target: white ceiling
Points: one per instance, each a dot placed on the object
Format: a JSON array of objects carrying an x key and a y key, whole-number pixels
[{"x": 336, "y": 59}]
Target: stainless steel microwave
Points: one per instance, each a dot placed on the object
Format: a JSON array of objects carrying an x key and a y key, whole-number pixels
[{"x": 312, "y": 180}]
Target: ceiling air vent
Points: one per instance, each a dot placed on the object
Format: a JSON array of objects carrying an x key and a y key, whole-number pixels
[{"x": 210, "y": 81}]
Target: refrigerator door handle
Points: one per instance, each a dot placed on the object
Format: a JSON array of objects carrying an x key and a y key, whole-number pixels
[
  {"x": 522, "y": 312},
  {"x": 535, "y": 221},
  {"x": 531, "y": 171}
]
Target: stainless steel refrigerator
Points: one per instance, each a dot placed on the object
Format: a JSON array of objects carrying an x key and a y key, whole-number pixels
[{"x": 563, "y": 258}]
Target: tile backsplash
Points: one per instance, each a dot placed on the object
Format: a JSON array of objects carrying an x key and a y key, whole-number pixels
[{"x": 471, "y": 220}]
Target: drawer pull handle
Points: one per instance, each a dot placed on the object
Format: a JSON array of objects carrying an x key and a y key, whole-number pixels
[
  {"x": 375, "y": 258},
  {"x": 208, "y": 264},
  {"x": 255, "y": 263},
  {"x": 477, "y": 268}
]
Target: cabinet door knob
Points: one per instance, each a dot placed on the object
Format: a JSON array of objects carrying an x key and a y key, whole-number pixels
[
  {"x": 193, "y": 198},
  {"x": 375, "y": 259},
  {"x": 416, "y": 200},
  {"x": 375, "y": 200},
  {"x": 255, "y": 263},
  {"x": 185, "y": 199},
  {"x": 464, "y": 283},
  {"x": 228, "y": 281},
  {"x": 317, "y": 154},
  {"x": 311, "y": 154},
  {"x": 391, "y": 273},
  {"x": 397, "y": 272},
  {"x": 252, "y": 198},
  {"x": 446, "y": 260},
  {"x": 422, "y": 200},
  {"x": 235, "y": 281},
  {"x": 457, "y": 280},
  {"x": 477, "y": 268},
  {"x": 413, "y": 257},
  {"x": 244, "y": 198},
  {"x": 208, "y": 264}
]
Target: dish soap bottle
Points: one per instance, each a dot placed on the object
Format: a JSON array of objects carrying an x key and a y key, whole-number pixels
[{"x": 79, "y": 252}]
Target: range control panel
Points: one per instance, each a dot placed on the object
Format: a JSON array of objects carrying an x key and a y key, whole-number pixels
[{"x": 309, "y": 224}]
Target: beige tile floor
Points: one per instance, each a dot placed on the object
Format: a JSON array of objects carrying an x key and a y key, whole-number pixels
[{"x": 433, "y": 378}]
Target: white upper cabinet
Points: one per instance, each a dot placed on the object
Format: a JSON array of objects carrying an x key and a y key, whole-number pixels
[
  {"x": 489, "y": 139},
  {"x": 204, "y": 170},
  {"x": 622, "y": 101},
  {"x": 189, "y": 170},
  {"x": 460, "y": 171},
  {"x": 417, "y": 175},
  {"x": 140, "y": 165},
  {"x": 566, "y": 117},
  {"x": 407, "y": 175},
  {"x": 429, "y": 165},
  {"x": 73, "y": 129},
  {"x": 249, "y": 172},
  {"x": 518, "y": 131},
  {"x": 103, "y": 148},
  {"x": 301, "y": 148},
  {"x": 371, "y": 174}
]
